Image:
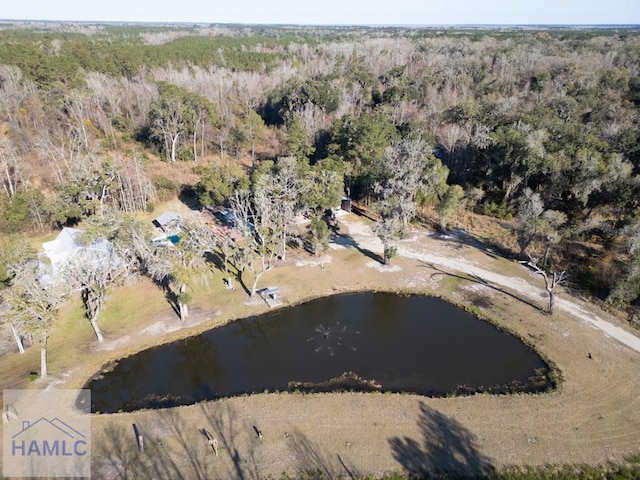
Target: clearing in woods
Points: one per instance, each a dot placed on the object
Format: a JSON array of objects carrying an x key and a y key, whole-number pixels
[{"x": 592, "y": 418}]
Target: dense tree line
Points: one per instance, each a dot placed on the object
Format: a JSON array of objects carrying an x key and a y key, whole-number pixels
[{"x": 538, "y": 127}]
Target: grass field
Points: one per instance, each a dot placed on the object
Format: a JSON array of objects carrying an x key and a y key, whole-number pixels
[{"x": 592, "y": 419}]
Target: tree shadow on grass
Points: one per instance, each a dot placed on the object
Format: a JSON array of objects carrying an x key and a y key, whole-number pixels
[
  {"x": 347, "y": 240},
  {"x": 171, "y": 450},
  {"x": 223, "y": 424},
  {"x": 480, "y": 281},
  {"x": 314, "y": 463},
  {"x": 118, "y": 456},
  {"x": 172, "y": 299},
  {"x": 232, "y": 271},
  {"x": 459, "y": 238},
  {"x": 447, "y": 450}
]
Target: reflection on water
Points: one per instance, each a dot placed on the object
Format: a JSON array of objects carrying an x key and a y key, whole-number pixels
[{"x": 397, "y": 343}]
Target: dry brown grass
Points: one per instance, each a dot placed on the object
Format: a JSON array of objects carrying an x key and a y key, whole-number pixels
[{"x": 593, "y": 418}]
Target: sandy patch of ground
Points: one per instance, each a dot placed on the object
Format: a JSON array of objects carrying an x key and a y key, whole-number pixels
[
  {"x": 116, "y": 343},
  {"x": 383, "y": 268},
  {"x": 315, "y": 261},
  {"x": 168, "y": 325}
]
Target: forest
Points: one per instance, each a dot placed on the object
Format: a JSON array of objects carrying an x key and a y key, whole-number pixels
[{"x": 536, "y": 129}]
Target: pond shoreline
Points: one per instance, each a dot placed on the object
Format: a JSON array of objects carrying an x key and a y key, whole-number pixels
[
  {"x": 405, "y": 328},
  {"x": 591, "y": 418}
]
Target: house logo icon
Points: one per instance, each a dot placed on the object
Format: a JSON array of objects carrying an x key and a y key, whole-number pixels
[
  {"x": 45, "y": 437},
  {"x": 46, "y": 433}
]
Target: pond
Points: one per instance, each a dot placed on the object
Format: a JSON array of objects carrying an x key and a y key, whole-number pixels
[{"x": 360, "y": 341}]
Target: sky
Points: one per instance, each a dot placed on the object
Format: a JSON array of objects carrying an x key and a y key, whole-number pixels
[{"x": 331, "y": 12}]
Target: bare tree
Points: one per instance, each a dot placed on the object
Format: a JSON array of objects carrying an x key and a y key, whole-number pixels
[
  {"x": 12, "y": 174},
  {"x": 133, "y": 190},
  {"x": 196, "y": 239},
  {"x": 551, "y": 232},
  {"x": 60, "y": 150},
  {"x": 277, "y": 195},
  {"x": 12, "y": 91},
  {"x": 105, "y": 100},
  {"x": 453, "y": 137},
  {"x": 409, "y": 167},
  {"x": 177, "y": 264},
  {"x": 15, "y": 255},
  {"x": 114, "y": 248},
  {"x": 33, "y": 301},
  {"x": 77, "y": 118},
  {"x": 93, "y": 274},
  {"x": 227, "y": 248},
  {"x": 536, "y": 222},
  {"x": 261, "y": 240},
  {"x": 310, "y": 116},
  {"x": 15, "y": 322},
  {"x": 551, "y": 281},
  {"x": 171, "y": 116}
]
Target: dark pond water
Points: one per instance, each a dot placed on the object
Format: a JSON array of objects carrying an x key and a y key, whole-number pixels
[{"x": 387, "y": 342}]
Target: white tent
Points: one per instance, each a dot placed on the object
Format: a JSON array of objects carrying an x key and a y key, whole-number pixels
[{"x": 67, "y": 246}]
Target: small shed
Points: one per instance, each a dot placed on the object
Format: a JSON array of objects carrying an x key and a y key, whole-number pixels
[
  {"x": 346, "y": 204},
  {"x": 167, "y": 222}
]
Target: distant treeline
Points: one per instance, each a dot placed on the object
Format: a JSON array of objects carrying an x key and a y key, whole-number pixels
[{"x": 538, "y": 127}]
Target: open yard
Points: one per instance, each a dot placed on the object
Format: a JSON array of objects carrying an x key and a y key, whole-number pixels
[{"x": 592, "y": 418}]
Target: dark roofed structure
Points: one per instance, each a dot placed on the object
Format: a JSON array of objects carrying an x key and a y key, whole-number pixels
[{"x": 168, "y": 221}]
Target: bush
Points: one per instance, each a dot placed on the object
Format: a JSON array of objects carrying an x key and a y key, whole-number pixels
[
  {"x": 500, "y": 210},
  {"x": 165, "y": 188},
  {"x": 318, "y": 235}
]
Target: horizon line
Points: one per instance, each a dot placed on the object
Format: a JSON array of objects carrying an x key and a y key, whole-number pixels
[{"x": 341, "y": 25}]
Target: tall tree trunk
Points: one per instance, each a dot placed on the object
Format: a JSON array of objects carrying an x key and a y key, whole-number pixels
[
  {"x": 545, "y": 257},
  {"x": 184, "y": 311},
  {"x": 94, "y": 324},
  {"x": 202, "y": 141},
  {"x": 43, "y": 356},
  {"x": 9, "y": 184},
  {"x": 183, "y": 307},
  {"x": 174, "y": 142},
  {"x": 36, "y": 210},
  {"x": 284, "y": 245},
  {"x": 255, "y": 283},
  {"x": 17, "y": 337},
  {"x": 552, "y": 300},
  {"x": 386, "y": 257},
  {"x": 195, "y": 141},
  {"x": 253, "y": 151}
]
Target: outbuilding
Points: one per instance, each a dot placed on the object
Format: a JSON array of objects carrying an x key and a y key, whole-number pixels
[{"x": 168, "y": 222}]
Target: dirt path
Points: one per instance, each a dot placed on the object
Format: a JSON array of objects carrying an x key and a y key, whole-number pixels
[
  {"x": 364, "y": 237},
  {"x": 522, "y": 287}
]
